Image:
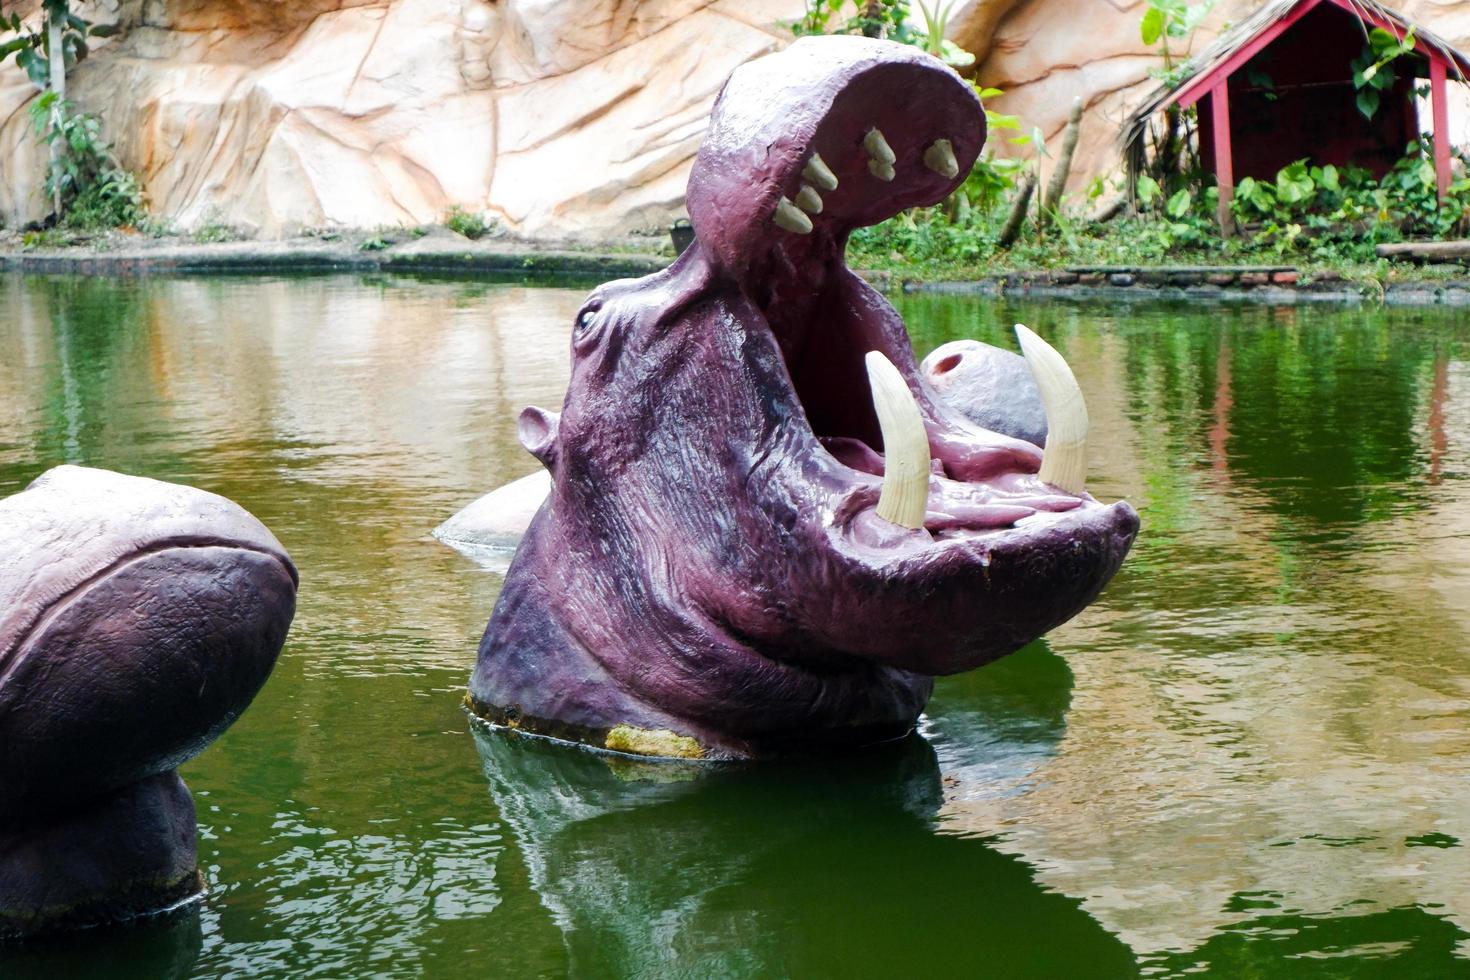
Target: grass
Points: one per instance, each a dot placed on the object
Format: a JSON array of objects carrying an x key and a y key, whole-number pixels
[{"x": 910, "y": 247}]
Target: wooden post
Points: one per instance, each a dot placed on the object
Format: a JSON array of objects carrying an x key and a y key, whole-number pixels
[
  {"x": 1224, "y": 165},
  {"x": 1441, "y": 127}
]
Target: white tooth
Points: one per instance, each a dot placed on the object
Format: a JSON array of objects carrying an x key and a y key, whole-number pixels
[
  {"x": 792, "y": 218},
  {"x": 819, "y": 173},
  {"x": 881, "y": 170},
  {"x": 905, "y": 493},
  {"x": 809, "y": 200},
  {"x": 878, "y": 147},
  {"x": 940, "y": 159},
  {"x": 1064, "y": 461}
]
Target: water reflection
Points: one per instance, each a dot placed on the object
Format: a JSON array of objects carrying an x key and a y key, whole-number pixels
[
  {"x": 828, "y": 868},
  {"x": 1270, "y": 708},
  {"x": 166, "y": 948},
  {"x": 1251, "y": 757}
]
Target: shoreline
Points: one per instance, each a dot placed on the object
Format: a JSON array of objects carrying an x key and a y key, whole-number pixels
[{"x": 1273, "y": 285}]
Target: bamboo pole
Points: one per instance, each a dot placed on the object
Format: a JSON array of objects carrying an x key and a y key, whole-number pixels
[
  {"x": 1022, "y": 203},
  {"x": 55, "y": 25},
  {"x": 1057, "y": 186}
]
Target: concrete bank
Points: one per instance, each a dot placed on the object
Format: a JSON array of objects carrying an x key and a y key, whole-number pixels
[
  {"x": 1274, "y": 285},
  {"x": 427, "y": 255}
]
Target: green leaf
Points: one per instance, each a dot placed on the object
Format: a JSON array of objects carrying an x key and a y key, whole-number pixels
[
  {"x": 1148, "y": 189},
  {"x": 1293, "y": 184},
  {"x": 1178, "y": 205},
  {"x": 1152, "y": 27},
  {"x": 1368, "y": 102}
]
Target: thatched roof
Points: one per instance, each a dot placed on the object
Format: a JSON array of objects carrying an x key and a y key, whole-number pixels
[{"x": 1370, "y": 12}]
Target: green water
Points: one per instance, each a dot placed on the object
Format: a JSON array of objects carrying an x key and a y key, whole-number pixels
[{"x": 1250, "y": 758}]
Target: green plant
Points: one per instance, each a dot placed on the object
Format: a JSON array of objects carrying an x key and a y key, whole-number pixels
[
  {"x": 932, "y": 39},
  {"x": 32, "y": 47},
  {"x": 1171, "y": 19},
  {"x": 1373, "y": 71},
  {"x": 872, "y": 18},
  {"x": 467, "y": 223},
  {"x": 1163, "y": 21},
  {"x": 94, "y": 190},
  {"x": 375, "y": 244},
  {"x": 214, "y": 231}
]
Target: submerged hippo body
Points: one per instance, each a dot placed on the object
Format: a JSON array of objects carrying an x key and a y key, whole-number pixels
[
  {"x": 717, "y": 571},
  {"x": 138, "y": 619}
]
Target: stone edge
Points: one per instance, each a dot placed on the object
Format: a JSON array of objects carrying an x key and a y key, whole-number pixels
[
  {"x": 1265, "y": 285},
  {"x": 206, "y": 259}
]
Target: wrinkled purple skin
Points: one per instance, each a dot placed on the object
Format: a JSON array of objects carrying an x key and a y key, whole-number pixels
[
  {"x": 709, "y": 561},
  {"x": 138, "y": 619}
]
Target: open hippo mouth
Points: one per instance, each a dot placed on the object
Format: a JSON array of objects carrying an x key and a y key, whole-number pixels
[{"x": 763, "y": 532}]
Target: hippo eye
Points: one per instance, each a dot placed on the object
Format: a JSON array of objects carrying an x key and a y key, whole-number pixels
[{"x": 585, "y": 320}]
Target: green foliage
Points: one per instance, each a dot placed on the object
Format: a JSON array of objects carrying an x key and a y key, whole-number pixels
[
  {"x": 931, "y": 38},
  {"x": 375, "y": 244},
  {"x": 1312, "y": 216},
  {"x": 95, "y": 190},
  {"x": 1167, "y": 20},
  {"x": 466, "y": 223},
  {"x": 1325, "y": 210},
  {"x": 214, "y": 231},
  {"x": 871, "y": 18},
  {"x": 32, "y": 48},
  {"x": 1373, "y": 70}
]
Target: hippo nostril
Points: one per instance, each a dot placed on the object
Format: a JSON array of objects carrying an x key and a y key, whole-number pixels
[{"x": 948, "y": 364}]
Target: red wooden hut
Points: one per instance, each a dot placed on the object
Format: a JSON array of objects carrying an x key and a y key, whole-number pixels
[{"x": 1279, "y": 87}]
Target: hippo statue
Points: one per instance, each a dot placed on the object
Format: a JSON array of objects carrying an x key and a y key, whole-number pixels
[
  {"x": 764, "y": 535},
  {"x": 138, "y": 619}
]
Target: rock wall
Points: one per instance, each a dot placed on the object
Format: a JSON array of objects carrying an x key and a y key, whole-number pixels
[
  {"x": 562, "y": 120},
  {"x": 1044, "y": 54}
]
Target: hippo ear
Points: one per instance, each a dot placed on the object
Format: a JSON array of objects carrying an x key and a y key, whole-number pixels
[{"x": 536, "y": 429}]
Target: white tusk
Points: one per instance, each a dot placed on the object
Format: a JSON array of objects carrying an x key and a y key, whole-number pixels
[
  {"x": 878, "y": 147},
  {"x": 881, "y": 170},
  {"x": 940, "y": 159},
  {"x": 1064, "y": 461},
  {"x": 905, "y": 494},
  {"x": 792, "y": 218},
  {"x": 809, "y": 200},
  {"x": 819, "y": 173}
]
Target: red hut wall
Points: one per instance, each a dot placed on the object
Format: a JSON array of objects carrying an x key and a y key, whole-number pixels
[{"x": 1314, "y": 111}]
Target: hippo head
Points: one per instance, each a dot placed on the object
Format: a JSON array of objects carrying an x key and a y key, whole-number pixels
[
  {"x": 763, "y": 533},
  {"x": 138, "y": 619}
]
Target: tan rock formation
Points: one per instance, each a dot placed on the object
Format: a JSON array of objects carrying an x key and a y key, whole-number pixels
[{"x": 562, "y": 120}]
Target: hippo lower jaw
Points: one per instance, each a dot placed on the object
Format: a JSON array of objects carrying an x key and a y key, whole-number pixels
[{"x": 1001, "y": 542}]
